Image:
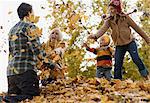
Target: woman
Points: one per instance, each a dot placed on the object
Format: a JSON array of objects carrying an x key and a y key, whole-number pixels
[
  {"x": 54, "y": 40},
  {"x": 50, "y": 46},
  {"x": 120, "y": 24}
]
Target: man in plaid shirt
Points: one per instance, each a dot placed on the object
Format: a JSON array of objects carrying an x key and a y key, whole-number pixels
[{"x": 23, "y": 54}]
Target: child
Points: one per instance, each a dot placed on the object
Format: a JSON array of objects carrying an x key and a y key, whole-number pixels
[
  {"x": 104, "y": 57},
  {"x": 122, "y": 37}
]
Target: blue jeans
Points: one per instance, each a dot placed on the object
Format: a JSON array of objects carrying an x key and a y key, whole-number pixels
[
  {"x": 119, "y": 56},
  {"x": 103, "y": 72}
]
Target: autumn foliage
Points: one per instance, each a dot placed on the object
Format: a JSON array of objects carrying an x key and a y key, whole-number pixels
[{"x": 93, "y": 90}]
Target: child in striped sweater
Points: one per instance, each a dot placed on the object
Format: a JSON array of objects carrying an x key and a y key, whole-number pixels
[{"x": 104, "y": 57}]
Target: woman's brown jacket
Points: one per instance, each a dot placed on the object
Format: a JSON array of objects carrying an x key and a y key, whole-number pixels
[{"x": 121, "y": 31}]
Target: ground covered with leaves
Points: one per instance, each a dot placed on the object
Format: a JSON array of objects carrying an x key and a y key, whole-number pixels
[{"x": 94, "y": 90}]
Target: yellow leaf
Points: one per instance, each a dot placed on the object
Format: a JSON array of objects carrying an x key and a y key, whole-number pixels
[
  {"x": 46, "y": 60},
  {"x": 148, "y": 96},
  {"x": 74, "y": 18},
  {"x": 56, "y": 58},
  {"x": 22, "y": 50},
  {"x": 62, "y": 9},
  {"x": 39, "y": 64},
  {"x": 32, "y": 33},
  {"x": 40, "y": 56},
  {"x": 10, "y": 56},
  {"x": 14, "y": 37},
  {"x": 45, "y": 74},
  {"x": 33, "y": 19},
  {"x": 104, "y": 99},
  {"x": 35, "y": 33},
  {"x": 86, "y": 18},
  {"x": 14, "y": 70},
  {"x": 71, "y": 26},
  {"x": 38, "y": 32},
  {"x": 36, "y": 19}
]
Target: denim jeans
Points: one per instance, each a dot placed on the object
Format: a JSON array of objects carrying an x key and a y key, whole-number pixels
[
  {"x": 119, "y": 56},
  {"x": 103, "y": 72}
]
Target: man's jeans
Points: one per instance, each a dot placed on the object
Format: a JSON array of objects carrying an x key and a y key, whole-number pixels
[
  {"x": 103, "y": 72},
  {"x": 25, "y": 86},
  {"x": 119, "y": 56}
]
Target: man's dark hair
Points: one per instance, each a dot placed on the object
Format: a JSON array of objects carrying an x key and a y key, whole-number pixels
[{"x": 23, "y": 10}]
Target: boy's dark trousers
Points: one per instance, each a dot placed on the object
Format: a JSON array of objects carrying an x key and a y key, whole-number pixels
[
  {"x": 104, "y": 72},
  {"x": 119, "y": 56},
  {"x": 25, "y": 86}
]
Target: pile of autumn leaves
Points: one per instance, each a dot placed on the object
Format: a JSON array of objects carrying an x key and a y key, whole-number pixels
[{"x": 94, "y": 90}]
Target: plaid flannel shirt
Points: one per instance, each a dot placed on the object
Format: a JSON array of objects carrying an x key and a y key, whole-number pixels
[{"x": 23, "y": 51}]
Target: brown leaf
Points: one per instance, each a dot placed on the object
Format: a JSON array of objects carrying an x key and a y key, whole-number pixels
[
  {"x": 33, "y": 18},
  {"x": 9, "y": 12},
  {"x": 14, "y": 37},
  {"x": 42, "y": 7},
  {"x": 1, "y": 27}
]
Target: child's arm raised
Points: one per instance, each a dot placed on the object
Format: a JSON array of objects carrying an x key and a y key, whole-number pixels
[{"x": 90, "y": 49}]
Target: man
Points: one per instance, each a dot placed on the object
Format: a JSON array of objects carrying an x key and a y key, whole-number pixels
[{"x": 24, "y": 50}]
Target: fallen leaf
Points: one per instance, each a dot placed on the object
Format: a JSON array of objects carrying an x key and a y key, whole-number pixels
[
  {"x": 9, "y": 12},
  {"x": 1, "y": 27},
  {"x": 14, "y": 37},
  {"x": 74, "y": 18},
  {"x": 33, "y": 19},
  {"x": 42, "y": 7},
  {"x": 22, "y": 50}
]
